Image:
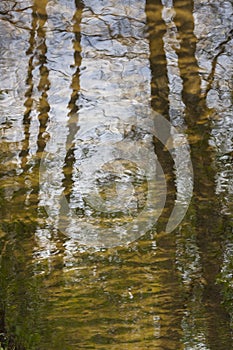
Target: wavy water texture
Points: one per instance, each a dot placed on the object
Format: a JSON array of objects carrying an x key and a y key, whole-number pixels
[{"x": 83, "y": 87}]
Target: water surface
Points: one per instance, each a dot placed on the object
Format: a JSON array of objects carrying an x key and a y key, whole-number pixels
[{"x": 78, "y": 77}]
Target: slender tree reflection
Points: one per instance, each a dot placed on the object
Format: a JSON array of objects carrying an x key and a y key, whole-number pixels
[
  {"x": 73, "y": 105},
  {"x": 37, "y": 51}
]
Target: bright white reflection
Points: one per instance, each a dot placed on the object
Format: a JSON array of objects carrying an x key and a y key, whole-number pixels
[{"x": 119, "y": 188}]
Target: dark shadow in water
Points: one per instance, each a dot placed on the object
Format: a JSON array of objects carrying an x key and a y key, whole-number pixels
[{"x": 209, "y": 224}]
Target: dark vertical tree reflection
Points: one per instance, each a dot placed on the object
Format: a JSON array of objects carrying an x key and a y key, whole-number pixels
[
  {"x": 73, "y": 103},
  {"x": 208, "y": 227},
  {"x": 165, "y": 262}
]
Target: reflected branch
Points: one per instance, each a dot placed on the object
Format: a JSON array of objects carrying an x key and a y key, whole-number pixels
[{"x": 221, "y": 48}]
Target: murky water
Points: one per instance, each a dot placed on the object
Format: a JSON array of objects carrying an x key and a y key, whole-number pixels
[{"x": 116, "y": 188}]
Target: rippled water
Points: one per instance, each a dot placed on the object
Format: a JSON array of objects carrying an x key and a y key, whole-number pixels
[{"x": 116, "y": 178}]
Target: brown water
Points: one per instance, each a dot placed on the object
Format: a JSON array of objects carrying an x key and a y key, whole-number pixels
[{"x": 87, "y": 260}]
